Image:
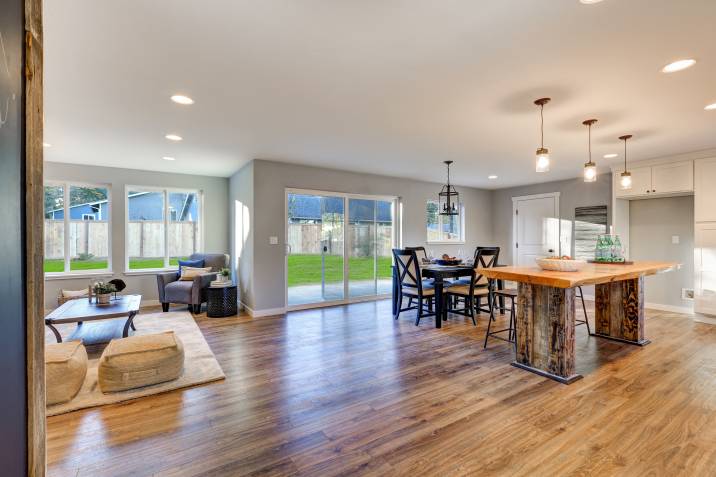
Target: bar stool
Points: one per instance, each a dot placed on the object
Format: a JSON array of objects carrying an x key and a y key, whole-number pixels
[
  {"x": 585, "y": 321},
  {"x": 511, "y": 295}
]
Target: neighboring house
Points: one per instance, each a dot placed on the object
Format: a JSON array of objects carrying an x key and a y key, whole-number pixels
[
  {"x": 311, "y": 209},
  {"x": 142, "y": 206}
]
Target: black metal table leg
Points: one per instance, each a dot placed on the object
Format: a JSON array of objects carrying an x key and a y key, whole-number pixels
[
  {"x": 58, "y": 337},
  {"x": 125, "y": 332},
  {"x": 439, "y": 303}
]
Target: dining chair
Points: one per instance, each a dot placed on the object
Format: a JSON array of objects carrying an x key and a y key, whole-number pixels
[
  {"x": 412, "y": 285},
  {"x": 422, "y": 256},
  {"x": 476, "y": 287},
  {"x": 485, "y": 257}
]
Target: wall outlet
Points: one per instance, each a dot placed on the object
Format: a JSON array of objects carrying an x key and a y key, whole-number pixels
[
  {"x": 273, "y": 240},
  {"x": 675, "y": 239},
  {"x": 687, "y": 293}
]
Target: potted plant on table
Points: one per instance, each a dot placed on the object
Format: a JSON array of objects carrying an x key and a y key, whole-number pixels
[
  {"x": 104, "y": 292},
  {"x": 224, "y": 275}
]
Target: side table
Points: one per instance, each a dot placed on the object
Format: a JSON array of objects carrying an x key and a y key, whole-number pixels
[{"x": 221, "y": 301}]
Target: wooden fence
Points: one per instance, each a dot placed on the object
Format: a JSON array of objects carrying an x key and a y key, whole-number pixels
[
  {"x": 309, "y": 238},
  {"x": 144, "y": 238}
]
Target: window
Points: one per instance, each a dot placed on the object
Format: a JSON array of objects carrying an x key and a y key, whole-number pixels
[
  {"x": 77, "y": 229},
  {"x": 444, "y": 228},
  {"x": 163, "y": 226}
]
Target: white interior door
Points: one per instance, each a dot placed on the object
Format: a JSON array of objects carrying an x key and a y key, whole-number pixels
[{"x": 536, "y": 228}]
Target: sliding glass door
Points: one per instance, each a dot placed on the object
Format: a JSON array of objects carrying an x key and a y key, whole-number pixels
[
  {"x": 371, "y": 238},
  {"x": 338, "y": 247},
  {"x": 315, "y": 248}
]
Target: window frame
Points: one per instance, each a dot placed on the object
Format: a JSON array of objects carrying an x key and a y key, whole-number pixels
[
  {"x": 165, "y": 191},
  {"x": 66, "y": 185},
  {"x": 441, "y": 241}
]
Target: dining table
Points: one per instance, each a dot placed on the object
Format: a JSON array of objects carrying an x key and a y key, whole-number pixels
[
  {"x": 440, "y": 274},
  {"x": 545, "y": 311}
]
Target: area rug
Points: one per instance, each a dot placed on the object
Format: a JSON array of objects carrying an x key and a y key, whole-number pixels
[{"x": 200, "y": 365}]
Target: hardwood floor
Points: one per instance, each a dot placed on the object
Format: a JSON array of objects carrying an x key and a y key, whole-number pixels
[{"x": 348, "y": 390}]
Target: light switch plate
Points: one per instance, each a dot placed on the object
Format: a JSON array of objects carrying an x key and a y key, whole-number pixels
[
  {"x": 675, "y": 239},
  {"x": 273, "y": 240}
]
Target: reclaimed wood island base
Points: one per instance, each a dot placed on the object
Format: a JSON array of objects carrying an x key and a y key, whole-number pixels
[{"x": 545, "y": 311}]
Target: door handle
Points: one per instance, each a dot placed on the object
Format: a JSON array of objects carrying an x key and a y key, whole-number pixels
[{"x": 288, "y": 249}]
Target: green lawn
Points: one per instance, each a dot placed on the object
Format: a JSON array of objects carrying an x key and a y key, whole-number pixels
[
  {"x": 58, "y": 265},
  {"x": 306, "y": 269}
]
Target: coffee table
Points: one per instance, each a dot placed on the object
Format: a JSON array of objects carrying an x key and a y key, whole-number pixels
[{"x": 81, "y": 310}]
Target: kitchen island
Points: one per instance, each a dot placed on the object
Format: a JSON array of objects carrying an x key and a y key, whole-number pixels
[{"x": 545, "y": 310}]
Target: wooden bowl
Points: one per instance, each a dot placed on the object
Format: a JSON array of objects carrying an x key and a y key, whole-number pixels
[
  {"x": 560, "y": 265},
  {"x": 440, "y": 261}
]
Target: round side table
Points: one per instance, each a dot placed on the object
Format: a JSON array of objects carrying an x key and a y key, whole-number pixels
[{"x": 221, "y": 301}]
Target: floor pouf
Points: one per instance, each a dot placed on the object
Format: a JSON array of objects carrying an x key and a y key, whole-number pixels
[
  {"x": 65, "y": 370},
  {"x": 138, "y": 361}
]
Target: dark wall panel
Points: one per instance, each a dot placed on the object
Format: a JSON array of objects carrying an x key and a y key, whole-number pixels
[{"x": 13, "y": 405}]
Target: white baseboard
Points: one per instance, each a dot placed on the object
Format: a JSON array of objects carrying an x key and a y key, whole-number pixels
[
  {"x": 710, "y": 320},
  {"x": 265, "y": 312},
  {"x": 687, "y": 310}
]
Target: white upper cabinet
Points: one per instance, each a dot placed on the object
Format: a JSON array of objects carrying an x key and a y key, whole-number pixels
[
  {"x": 705, "y": 190},
  {"x": 660, "y": 180},
  {"x": 640, "y": 183},
  {"x": 671, "y": 178}
]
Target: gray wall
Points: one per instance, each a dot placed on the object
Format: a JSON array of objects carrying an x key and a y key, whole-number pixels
[
  {"x": 241, "y": 208},
  {"x": 573, "y": 193},
  {"x": 216, "y": 217},
  {"x": 272, "y": 178},
  {"x": 13, "y": 399},
  {"x": 652, "y": 223}
]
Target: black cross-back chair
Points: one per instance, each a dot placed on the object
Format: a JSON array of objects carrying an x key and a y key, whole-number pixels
[
  {"x": 476, "y": 287},
  {"x": 411, "y": 284},
  {"x": 422, "y": 255}
]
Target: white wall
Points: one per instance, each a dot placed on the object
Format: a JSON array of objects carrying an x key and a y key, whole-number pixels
[
  {"x": 241, "y": 208},
  {"x": 215, "y": 220},
  {"x": 652, "y": 223},
  {"x": 270, "y": 180}
]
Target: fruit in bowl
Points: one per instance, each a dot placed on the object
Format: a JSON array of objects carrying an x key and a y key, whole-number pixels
[
  {"x": 565, "y": 263},
  {"x": 448, "y": 260}
]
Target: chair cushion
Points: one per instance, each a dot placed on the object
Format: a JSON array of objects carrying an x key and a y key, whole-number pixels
[
  {"x": 465, "y": 290},
  {"x": 178, "y": 292},
  {"x": 65, "y": 370},
  {"x": 74, "y": 293},
  {"x": 189, "y": 263},
  {"x": 216, "y": 261},
  {"x": 138, "y": 361},
  {"x": 410, "y": 291},
  {"x": 188, "y": 273}
]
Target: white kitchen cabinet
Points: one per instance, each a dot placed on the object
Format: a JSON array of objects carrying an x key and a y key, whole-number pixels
[
  {"x": 640, "y": 183},
  {"x": 672, "y": 178},
  {"x": 705, "y": 190},
  {"x": 705, "y": 268},
  {"x": 658, "y": 181}
]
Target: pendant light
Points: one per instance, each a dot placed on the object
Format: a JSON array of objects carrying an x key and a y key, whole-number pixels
[
  {"x": 625, "y": 181},
  {"x": 590, "y": 168},
  {"x": 448, "y": 198},
  {"x": 542, "y": 162}
]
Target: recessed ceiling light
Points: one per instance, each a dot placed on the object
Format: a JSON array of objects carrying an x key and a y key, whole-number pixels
[
  {"x": 678, "y": 65},
  {"x": 492, "y": 177},
  {"x": 710, "y": 107},
  {"x": 589, "y": 2},
  {"x": 610, "y": 156},
  {"x": 173, "y": 137},
  {"x": 181, "y": 99},
  {"x": 46, "y": 144},
  {"x": 167, "y": 158}
]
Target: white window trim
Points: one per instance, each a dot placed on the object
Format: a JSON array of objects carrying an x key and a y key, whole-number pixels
[
  {"x": 459, "y": 241},
  {"x": 166, "y": 191},
  {"x": 67, "y": 273}
]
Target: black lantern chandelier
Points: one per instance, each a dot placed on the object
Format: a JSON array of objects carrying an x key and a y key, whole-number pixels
[{"x": 448, "y": 198}]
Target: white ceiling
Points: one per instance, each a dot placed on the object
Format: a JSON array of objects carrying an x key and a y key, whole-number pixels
[{"x": 388, "y": 87}]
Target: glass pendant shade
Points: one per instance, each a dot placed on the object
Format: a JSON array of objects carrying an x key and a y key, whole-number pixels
[
  {"x": 625, "y": 181},
  {"x": 590, "y": 168},
  {"x": 590, "y": 172},
  {"x": 542, "y": 161}
]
